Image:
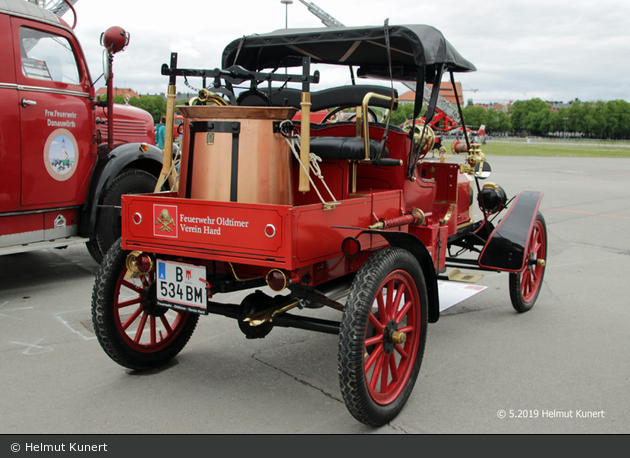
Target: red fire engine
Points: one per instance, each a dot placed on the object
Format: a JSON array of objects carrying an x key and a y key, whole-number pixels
[
  {"x": 66, "y": 158},
  {"x": 347, "y": 215}
]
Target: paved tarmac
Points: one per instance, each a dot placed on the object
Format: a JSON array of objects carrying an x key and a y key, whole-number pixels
[{"x": 486, "y": 369}]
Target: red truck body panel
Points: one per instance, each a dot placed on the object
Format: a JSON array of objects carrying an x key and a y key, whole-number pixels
[{"x": 48, "y": 126}]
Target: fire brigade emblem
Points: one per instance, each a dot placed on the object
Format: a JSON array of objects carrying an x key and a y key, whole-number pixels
[
  {"x": 61, "y": 154},
  {"x": 165, "y": 221}
]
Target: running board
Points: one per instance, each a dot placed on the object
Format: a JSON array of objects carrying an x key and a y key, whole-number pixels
[{"x": 59, "y": 243}]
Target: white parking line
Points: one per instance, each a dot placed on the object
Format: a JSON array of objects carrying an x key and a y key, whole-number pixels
[{"x": 34, "y": 349}]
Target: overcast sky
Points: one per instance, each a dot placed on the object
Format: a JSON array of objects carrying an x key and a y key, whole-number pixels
[{"x": 553, "y": 49}]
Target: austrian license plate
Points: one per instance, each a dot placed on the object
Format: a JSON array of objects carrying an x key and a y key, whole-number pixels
[{"x": 182, "y": 286}]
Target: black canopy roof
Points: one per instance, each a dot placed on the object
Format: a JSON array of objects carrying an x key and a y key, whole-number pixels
[{"x": 412, "y": 46}]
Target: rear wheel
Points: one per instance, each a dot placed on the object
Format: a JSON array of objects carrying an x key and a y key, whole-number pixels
[
  {"x": 382, "y": 336},
  {"x": 525, "y": 285},
  {"x": 132, "y": 329}
]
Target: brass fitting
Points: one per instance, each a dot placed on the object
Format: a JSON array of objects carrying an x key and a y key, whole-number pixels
[
  {"x": 399, "y": 338},
  {"x": 133, "y": 270}
]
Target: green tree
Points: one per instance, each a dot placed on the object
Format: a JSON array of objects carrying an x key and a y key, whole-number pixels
[
  {"x": 492, "y": 121},
  {"x": 475, "y": 116},
  {"x": 529, "y": 116},
  {"x": 505, "y": 124},
  {"x": 401, "y": 114},
  {"x": 155, "y": 105}
]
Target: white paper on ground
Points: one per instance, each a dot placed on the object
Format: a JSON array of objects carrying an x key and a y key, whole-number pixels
[{"x": 452, "y": 293}]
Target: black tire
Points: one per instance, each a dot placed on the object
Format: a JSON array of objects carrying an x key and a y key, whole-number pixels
[
  {"x": 108, "y": 222},
  {"x": 525, "y": 286},
  {"x": 94, "y": 250},
  {"x": 367, "y": 351},
  {"x": 122, "y": 309}
]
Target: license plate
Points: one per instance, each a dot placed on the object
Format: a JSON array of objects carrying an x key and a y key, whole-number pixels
[{"x": 182, "y": 286}]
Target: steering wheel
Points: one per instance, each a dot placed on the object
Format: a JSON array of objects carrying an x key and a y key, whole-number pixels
[{"x": 329, "y": 116}]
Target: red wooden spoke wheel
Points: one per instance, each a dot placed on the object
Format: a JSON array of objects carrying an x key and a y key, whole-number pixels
[
  {"x": 394, "y": 330},
  {"x": 144, "y": 326},
  {"x": 382, "y": 336},
  {"x": 132, "y": 329},
  {"x": 525, "y": 285}
]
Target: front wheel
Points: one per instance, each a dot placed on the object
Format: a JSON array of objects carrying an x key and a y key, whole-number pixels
[
  {"x": 525, "y": 285},
  {"x": 132, "y": 329},
  {"x": 108, "y": 224},
  {"x": 382, "y": 336}
]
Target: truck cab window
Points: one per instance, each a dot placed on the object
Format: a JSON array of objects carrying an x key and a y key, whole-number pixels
[{"x": 49, "y": 57}]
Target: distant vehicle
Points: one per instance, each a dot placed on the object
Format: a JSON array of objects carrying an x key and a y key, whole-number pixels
[
  {"x": 178, "y": 128},
  {"x": 66, "y": 157},
  {"x": 316, "y": 116}
]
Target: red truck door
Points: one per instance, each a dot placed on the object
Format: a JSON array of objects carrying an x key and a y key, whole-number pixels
[
  {"x": 56, "y": 115},
  {"x": 9, "y": 124}
]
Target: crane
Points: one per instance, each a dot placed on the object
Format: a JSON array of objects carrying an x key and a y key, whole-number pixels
[{"x": 443, "y": 104}]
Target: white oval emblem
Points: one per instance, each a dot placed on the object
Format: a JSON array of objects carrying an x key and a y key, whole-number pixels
[{"x": 61, "y": 155}]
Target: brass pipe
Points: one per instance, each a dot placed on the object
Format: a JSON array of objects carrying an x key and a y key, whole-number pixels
[
  {"x": 305, "y": 145},
  {"x": 237, "y": 278},
  {"x": 359, "y": 121},
  {"x": 366, "y": 120}
]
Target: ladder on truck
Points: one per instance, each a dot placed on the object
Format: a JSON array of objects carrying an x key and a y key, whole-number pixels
[
  {"x": 443, "y": 104},
  {"x": 58, "y": 7},
  {"x": 326, "y": 18}
]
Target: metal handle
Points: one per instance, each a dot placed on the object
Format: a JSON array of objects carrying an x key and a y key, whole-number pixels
[
  {"x": 365, "y": 120},
  {"x": 26, "y": 103}
]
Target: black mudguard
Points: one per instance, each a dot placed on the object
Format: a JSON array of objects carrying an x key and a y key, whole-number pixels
[
  {"x": 505, "y": 249},
  {"x": 413, "y": 244},
  {"x": 107, "y": 167}
]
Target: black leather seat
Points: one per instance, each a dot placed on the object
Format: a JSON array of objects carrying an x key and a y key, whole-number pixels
[
  {"x": 342, "y": 96},
  {"x": 350, "y": 148}
]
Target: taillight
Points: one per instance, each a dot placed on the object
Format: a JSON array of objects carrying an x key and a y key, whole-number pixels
[
  {"x": 277, "y": 280},
  {"x": 139, "y": 263}
]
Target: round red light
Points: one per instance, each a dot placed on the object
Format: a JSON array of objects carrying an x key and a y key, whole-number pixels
[
  {"x": 270, "y": 231},
  {"x": 115, "y": 39},
  {"x": 144, "y": 263},
  {"x": 277, "y": 280}
]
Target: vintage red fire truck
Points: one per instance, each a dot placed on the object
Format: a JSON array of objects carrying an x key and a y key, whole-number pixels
[
  {"x": 350, "y": 216},
  {"x": 66, "y": 161}
]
